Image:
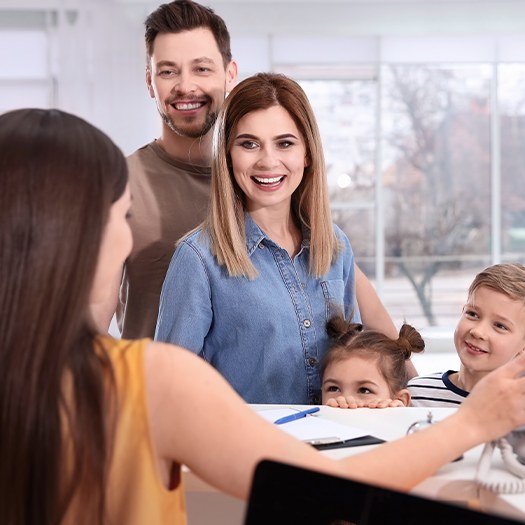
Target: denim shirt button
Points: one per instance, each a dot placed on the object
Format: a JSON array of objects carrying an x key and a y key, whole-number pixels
[
  {"x": 316, "y": 400},
  {"x": 307, "y": 323},
  {"x": 312, "y": 361},
  {"x": 261, "y": 245}
]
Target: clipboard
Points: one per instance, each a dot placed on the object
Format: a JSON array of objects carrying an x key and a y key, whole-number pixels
[
  {"x": 355, "y": 442},
  {"x": 321, "y": 433}
]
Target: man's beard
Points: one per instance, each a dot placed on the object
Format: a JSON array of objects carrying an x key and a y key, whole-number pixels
[{"x": 190, "y": 131}]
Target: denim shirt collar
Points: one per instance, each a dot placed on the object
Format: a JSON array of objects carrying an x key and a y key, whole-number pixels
[{"x": 255, "y": 236}]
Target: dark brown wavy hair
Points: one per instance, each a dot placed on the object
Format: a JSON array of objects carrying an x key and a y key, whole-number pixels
[
  {"x": 185, "y": 15},
  {"x": 349, "y": 338},
  {"x": 58, "y": 178}
]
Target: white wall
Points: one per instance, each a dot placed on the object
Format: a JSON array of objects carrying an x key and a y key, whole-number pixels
[
  {"x": 95, "y": 62},
  {"x": 87, "y": 56}
]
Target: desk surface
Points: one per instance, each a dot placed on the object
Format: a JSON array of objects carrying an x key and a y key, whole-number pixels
[{"x": 454, "y": 482}]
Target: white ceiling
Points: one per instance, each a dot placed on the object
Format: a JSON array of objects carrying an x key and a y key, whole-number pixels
[{"x": 326, "y": 17}]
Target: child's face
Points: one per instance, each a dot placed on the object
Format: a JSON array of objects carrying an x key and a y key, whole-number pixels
[
  {"x": 355, "y": 376},
  {"x": 490, "y": 332}
]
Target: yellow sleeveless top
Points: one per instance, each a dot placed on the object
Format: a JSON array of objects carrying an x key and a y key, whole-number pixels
[{"x": 136, "y": 494}]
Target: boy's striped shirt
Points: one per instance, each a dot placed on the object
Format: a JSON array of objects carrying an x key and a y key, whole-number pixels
[{"x": 435, "y": 390}]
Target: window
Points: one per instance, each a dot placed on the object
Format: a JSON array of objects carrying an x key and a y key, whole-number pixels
[
  {"x": 442, "y": 158},
  {"x": 512, "y": 129},
  {"x": 346, "y": 114}
]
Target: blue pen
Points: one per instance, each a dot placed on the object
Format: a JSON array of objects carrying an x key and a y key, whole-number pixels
[{"x": 297, "y": 415}]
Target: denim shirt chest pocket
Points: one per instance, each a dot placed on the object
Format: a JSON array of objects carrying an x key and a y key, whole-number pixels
[{"x": 334, "y": 292}]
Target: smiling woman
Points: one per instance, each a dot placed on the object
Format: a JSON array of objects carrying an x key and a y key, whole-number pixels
[
  {"x": 267, "y": 269},
  {"x": 268, "y": 159}
]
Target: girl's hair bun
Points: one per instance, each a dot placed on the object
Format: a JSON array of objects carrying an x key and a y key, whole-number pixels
[{"x": 410, "y": 340}]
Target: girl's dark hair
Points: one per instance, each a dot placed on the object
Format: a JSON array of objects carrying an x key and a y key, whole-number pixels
[
  {"x": 59, "y": 176},
  {"x": 349, "y": 338}
]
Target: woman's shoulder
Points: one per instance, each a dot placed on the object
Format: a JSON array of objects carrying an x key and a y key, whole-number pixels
[
  {"x": 132, "y": 358},
  {"x": 168, "y": 362},
  {"x": 196, "y": 242},
  {"x": 193, "y": 259},
  {"x": 196, "y": 237},
  {"x": 119, "y": 349},
  {"x": 134, "y": 349},
  {"x": 127, "y": 361},
  {"x": 114, "y": 344},
  {"x": 342, "y": 238},
  {"x": 338, "y": 232}
]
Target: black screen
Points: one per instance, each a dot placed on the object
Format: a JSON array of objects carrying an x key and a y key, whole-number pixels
[{"x": 282, "y": 494}]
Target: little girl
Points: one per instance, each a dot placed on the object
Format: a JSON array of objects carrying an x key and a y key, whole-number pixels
[{"x": 367, "y": 368}]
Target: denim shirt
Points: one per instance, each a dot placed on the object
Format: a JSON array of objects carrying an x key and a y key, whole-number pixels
[{"x": 266, "y": 336}]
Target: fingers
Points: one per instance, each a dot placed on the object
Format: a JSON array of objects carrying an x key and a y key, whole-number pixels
[
  {"x": 384, "y": 403},
  {"x": 351, "y": 402},
  {"x": 332, "y": 402},
  {"x": 517, "y": 365},
  {"x": 514, "y": 368},
  {"x": 396, "y": 403},
  {"x": 343, "y": 402},
  {"x": 497, "y": 402}
]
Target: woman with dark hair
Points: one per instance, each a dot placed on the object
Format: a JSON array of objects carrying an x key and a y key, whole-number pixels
[
  {"x": 93, "y": 429},
  {"x": 61, "y": 182}
]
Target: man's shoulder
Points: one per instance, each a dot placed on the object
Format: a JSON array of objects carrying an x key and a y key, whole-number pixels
[
  {"x": 146, "y": 166},
  {"x": 142, "y": 148},
  {"x": 144, "y": 155},
  {"x": 152, "y": 160}
]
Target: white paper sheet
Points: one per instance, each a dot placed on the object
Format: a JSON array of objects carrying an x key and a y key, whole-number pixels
[{"x": 312, "y": 427}]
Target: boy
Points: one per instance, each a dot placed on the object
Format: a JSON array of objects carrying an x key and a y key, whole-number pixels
[{"x": 490, "y": 332}]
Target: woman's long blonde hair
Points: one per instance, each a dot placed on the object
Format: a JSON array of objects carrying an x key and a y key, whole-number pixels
[{"x": 225, "y": 221}]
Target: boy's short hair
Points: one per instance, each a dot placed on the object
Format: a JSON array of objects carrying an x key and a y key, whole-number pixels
[{"x": 505, "y": 278}]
